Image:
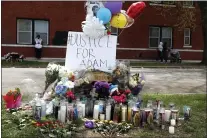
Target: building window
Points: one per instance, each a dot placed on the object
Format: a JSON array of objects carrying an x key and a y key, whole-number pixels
[
  {"x": 163, "y": 2},
  {"x": 188, "y": 3},
  {"x": 24, "y": 31},
  {"x": 154, "y": 37},
  {"x": 187, "y": 37},
  {"x": 160, "y": 34},
  {"x": 114, "y": 31},
  {"x": 27, "y": 30}
]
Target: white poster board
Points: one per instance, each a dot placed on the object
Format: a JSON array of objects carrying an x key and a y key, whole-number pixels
[{"x": 84, "y": 52}]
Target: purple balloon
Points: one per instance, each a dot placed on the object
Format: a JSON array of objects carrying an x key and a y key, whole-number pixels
[{"x": 114, "y": 6}]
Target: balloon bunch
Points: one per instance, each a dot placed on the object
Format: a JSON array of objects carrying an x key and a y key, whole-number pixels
[{"x": 101, "y": 16}]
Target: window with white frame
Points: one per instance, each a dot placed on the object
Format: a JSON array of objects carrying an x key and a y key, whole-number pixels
[
  {"x": 160, "y": 34},
  {"x": 166, "y": 36},
  {"x": 114, "y": 31},
  {"x": 41, "y": 28},
  {"x": 27, "y": 30},
  {"x": 24, "y": 31},
  {"x": 187, "y": 37},
  {"x": 163, "y": 2},
  {"x": 188, "y": 3},
  {"x": 154, "y": 37}
]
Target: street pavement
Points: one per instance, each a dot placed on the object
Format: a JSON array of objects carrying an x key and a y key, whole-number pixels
[{"x": 158, "y": 80}]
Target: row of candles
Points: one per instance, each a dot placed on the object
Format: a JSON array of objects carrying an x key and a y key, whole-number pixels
[{"x": 101, "y": 109}]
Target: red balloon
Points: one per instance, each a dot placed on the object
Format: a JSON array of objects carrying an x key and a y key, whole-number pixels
[{"x": 135, "y": 9}]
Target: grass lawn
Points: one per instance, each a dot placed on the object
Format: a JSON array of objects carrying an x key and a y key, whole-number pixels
[
  {"x": 37, "y": 64},
  {"x": 194, "y": 128},
  {"x": 25, "y": 64}
]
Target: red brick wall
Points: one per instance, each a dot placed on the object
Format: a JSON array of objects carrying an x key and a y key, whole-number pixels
[
  {"x": 68, "y": 15},
  {"x": 121, "y": 54},
  {"x": 63, "y": 16}
]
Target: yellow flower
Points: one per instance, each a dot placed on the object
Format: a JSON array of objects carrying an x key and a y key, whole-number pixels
[{"x": 33, "y": 122}]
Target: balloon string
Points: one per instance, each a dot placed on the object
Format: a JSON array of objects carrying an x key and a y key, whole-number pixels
[
  {"x": 121, "y": 32},
  {"x": 133, "y": 23}
]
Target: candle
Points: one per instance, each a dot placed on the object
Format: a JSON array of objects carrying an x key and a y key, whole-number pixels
[
  {"x": 80, "y": 111},
  {"x": 95, "y": 111},
  {"x": 102, "y": 116},
  {"x": 59, "y": 116},
  {"x": 84, "y": 109},
  {"x": 124, "y": 113},
  {"x": 129, "y": 114},
  {"x": 135, "y": 116},
  {"x": 70, "y": 112},
  {"x": 171, "y": 130},
  {"x": 174, "y": 114},
  {"x": 43, "y": 111},
  {"x": 172, "y": 122},
  {"x": 167, "y": 115},
  {"x": 116, "y": 115},
  {"x": 63, "y": 113},
  {"x": 108, "y": 112}
]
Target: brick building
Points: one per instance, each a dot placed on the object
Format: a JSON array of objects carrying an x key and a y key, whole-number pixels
[{"x": 21, "y": 21}]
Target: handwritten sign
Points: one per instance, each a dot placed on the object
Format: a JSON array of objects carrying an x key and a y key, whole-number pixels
[{"x": 84, "y": 52}]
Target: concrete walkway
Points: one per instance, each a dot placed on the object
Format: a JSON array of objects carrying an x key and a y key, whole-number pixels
[
  {"x": 169, "y": 81},
  {"x": 131, "y": 60}
]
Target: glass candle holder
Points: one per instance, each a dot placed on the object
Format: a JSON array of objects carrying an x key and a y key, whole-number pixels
[
  {"x": 117, "y": 113},
  {"x": 124, "y": 113},
  {"x": 172, "y": 122},
  {"x": 171, "y": 129}
]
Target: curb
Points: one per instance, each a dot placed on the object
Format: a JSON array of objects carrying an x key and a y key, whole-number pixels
[{"x": 177, "y": 67}]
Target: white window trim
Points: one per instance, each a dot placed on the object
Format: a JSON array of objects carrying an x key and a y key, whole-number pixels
[
  {"x": 23, "y": 31},
  {"x": 187, "y": 45},
  {"x": 164, "y": 5},
  {"x": 117, "y": 34},
  {"x": 47, "y": 30},
  {"x": 154, "y": 37},
  {"x": 190, "y": 6}
]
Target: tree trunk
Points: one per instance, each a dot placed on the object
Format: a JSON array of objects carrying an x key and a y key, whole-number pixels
[{"x": 203, "y": 8}]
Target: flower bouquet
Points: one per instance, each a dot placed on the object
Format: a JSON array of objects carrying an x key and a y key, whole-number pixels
[{"x": 13, "y": 99}]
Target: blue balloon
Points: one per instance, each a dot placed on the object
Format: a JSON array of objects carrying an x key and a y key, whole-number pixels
[{"x": 104, "y": 15}]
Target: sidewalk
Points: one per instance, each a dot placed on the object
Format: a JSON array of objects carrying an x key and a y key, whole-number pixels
[{"x": 131, "y": 60}]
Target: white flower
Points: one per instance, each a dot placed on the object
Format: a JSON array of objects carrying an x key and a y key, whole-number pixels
[
  {"x": 64, "y": 72},
  {"x": 132, "y": 82},
  {"x": 60, "y": 83},
  {"x": 69, "y": 84}
]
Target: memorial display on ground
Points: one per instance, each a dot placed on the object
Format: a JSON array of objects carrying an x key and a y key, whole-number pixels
[{"x": 93, "y": 86}]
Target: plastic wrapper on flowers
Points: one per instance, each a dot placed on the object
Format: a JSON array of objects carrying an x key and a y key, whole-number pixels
[
  {"x": 136, "y": 83},
  {"x": 51, "y": 74},
  {"x": 13, "y": 99}
]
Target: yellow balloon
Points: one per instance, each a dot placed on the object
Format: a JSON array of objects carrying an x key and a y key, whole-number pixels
[{"x": 119, "y": 21}]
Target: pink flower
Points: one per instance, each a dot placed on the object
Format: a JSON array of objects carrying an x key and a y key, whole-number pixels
[{"x": 70, "y": 95}]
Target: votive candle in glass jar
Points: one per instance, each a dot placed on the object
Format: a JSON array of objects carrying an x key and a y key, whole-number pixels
[
  {"x": 171, "y": 129},
  {"x": 108, "y": 112},
  {"x": 124, "y": 113},
  {"x": 167, "y": 115},
  {"x": 102, "y": 117},
  {"x": 96, "y": 112},
  {"x": 172, "y": 122},
  {"x": 116, "y": 115}
]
